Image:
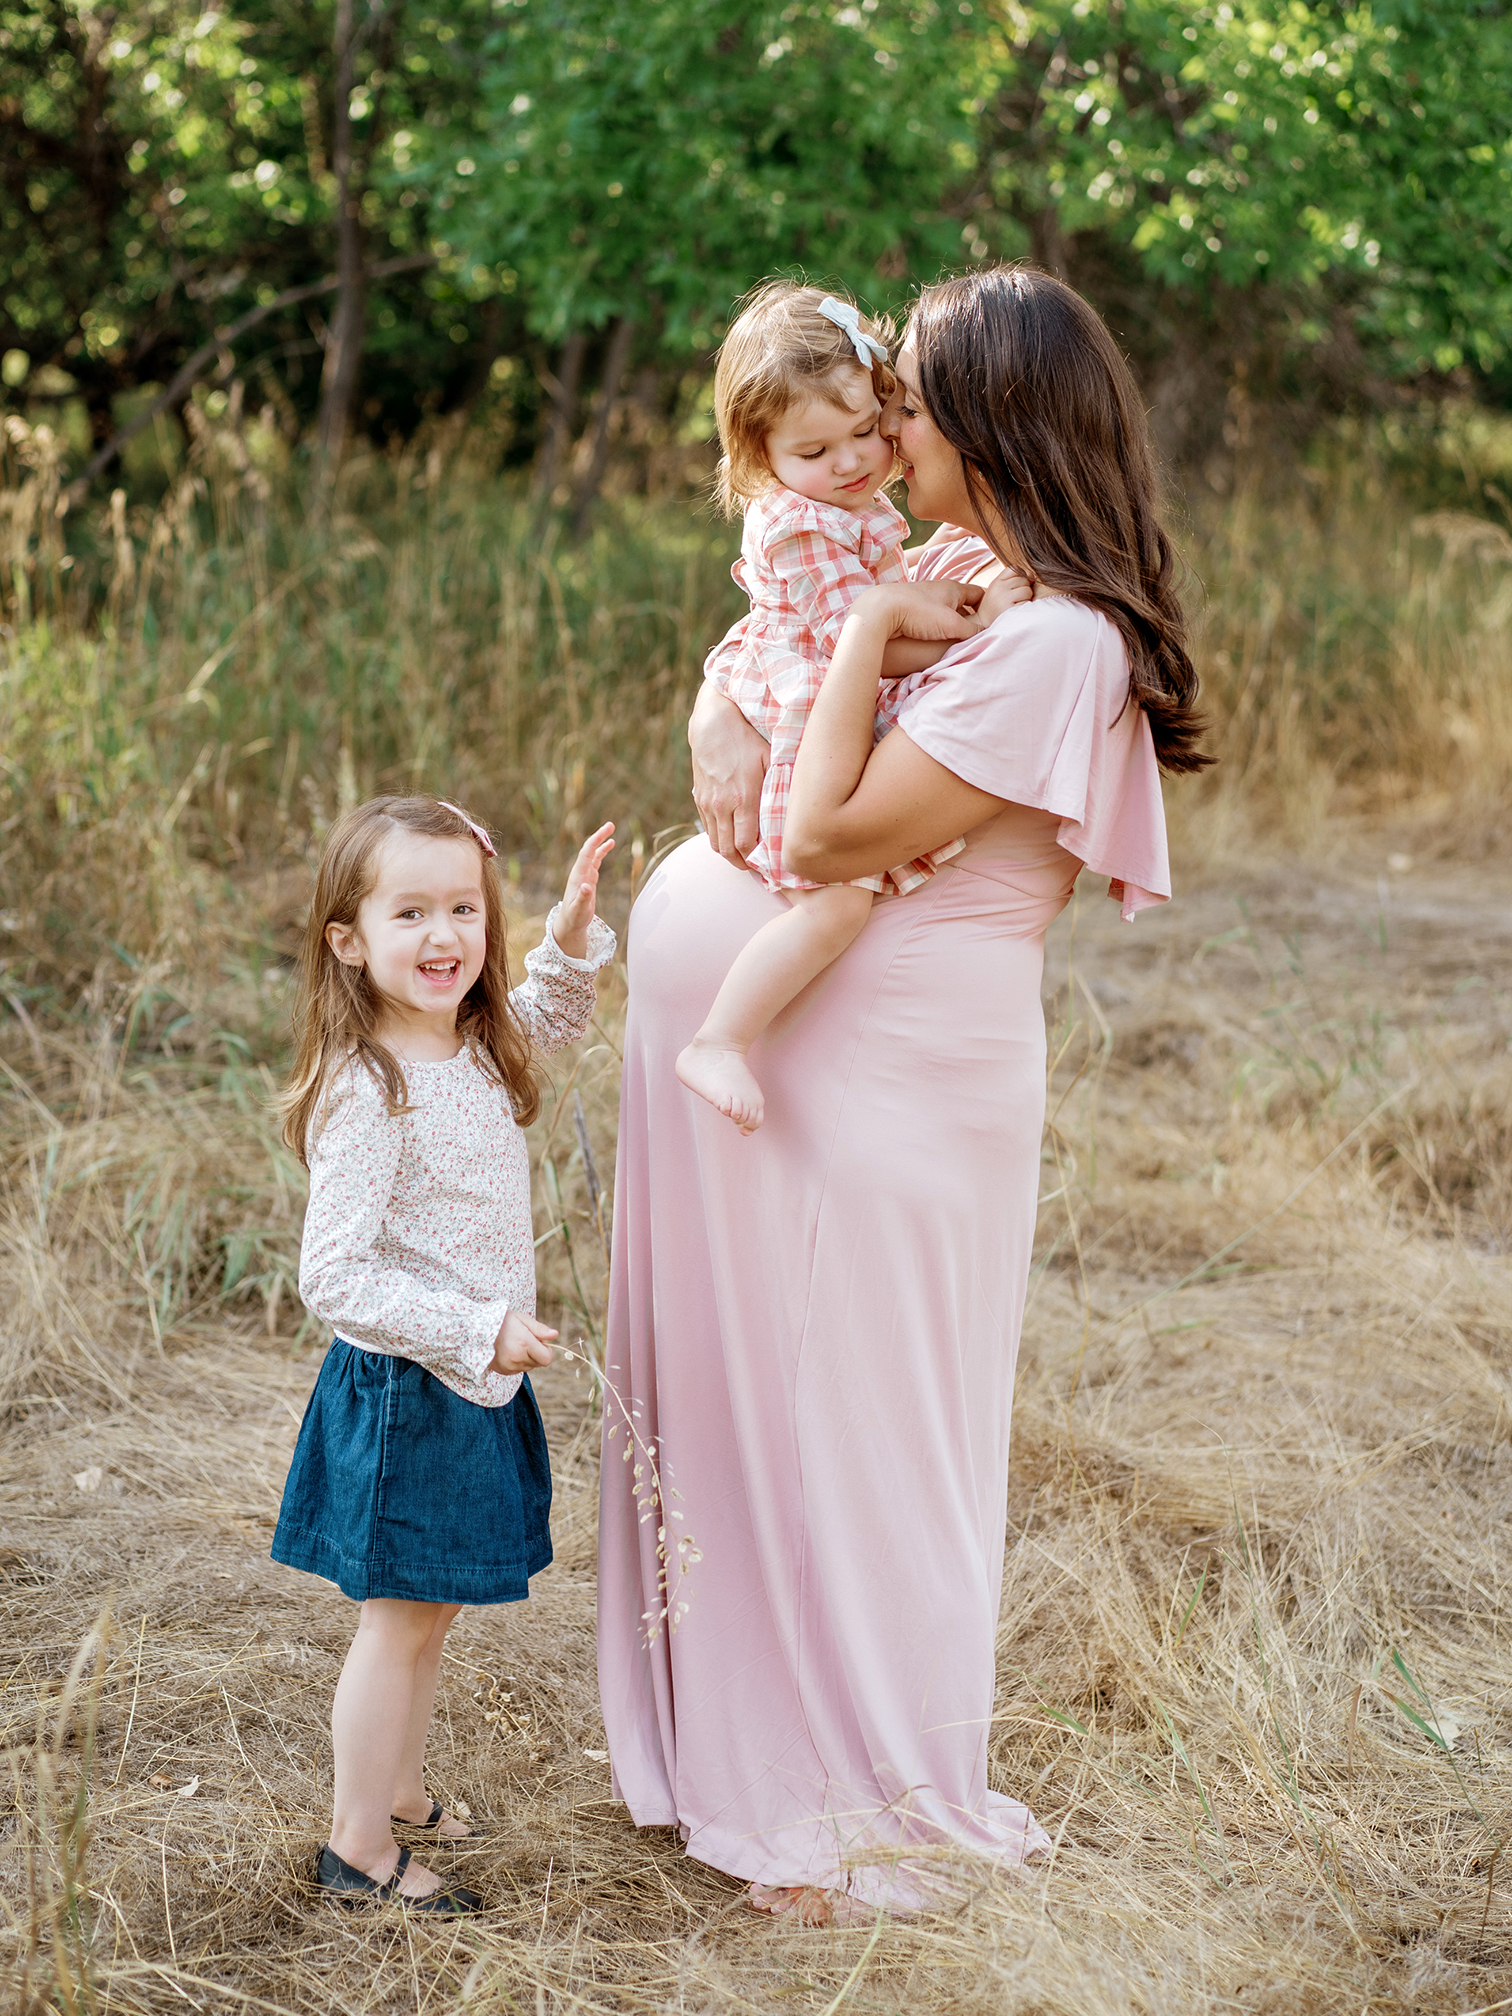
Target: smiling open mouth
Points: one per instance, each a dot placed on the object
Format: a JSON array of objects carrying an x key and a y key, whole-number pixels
[{"x": 441, "y": 972}]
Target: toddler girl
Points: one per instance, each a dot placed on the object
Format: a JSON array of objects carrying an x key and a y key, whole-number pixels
[
  {"x": 798, "y": 396},
  {"x": 420, "y": 1479}
]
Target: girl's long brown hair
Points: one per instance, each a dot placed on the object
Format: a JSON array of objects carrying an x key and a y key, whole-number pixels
[
  {"x": 338, "y": 1009},
  {"x": 1022, "y": 378}
]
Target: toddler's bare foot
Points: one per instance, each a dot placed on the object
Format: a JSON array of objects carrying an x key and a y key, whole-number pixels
[{"x": 723, "y": 1077}]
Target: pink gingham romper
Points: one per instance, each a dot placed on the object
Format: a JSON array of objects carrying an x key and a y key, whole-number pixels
[{"x": 803, "y": 564}]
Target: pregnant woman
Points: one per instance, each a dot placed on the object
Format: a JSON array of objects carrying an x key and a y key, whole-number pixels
[{"x": 815, "y": 1328}]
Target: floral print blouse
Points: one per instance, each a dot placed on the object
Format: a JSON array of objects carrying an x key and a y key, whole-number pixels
[{"x": 418, "y": 1238}]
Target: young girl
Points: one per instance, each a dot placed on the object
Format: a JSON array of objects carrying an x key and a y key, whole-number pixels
[
  {"x": 420, "y": 1479},
  {"x": 798, "y": 396}
]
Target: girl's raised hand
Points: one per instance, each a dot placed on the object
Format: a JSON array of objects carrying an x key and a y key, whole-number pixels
[{"x": 580, "y": 898}]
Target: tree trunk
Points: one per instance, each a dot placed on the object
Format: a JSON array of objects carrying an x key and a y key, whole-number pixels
[
  {"x": 343, "y": 357},
  {"x": 564, "y": 390},
  {"x": 220, "y": 345},
  {"x": 490, "y": 338},
  {"x": 598, "y": 454}
]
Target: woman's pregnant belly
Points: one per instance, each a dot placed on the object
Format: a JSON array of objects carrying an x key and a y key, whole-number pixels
[{"x": 931, "y": 1018}]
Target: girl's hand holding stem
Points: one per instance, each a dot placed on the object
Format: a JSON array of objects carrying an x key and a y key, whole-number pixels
[
  {"x": 580, "y": 898},
  {"x": 521, "y": 1343}
]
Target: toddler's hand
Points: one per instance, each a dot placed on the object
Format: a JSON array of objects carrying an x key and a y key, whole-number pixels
[
  {"x": 581, "y": 893},
  {"x": 1004, "y": 592},
  {"x": 521, "y": 1343}
]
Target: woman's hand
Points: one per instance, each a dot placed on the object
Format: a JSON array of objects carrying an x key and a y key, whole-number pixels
[
  {"x": 931, "y": 612},
  {"x": 729, "y": 764},
  {"x": 853, "y": 809},
  {"x": 521, "y": 1343},
  {"x": 580, "y": 899}
]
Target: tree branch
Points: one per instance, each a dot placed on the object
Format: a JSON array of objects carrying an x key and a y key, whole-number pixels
[
  {"x": 193, "y": 366},
  {"x": 338, "y": 381}
]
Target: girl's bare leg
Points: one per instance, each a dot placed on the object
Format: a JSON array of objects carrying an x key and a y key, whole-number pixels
[
  {"x": 370, "y": 1726},
  {"x": 776, "y": 965},
  {"x": 411, "y": 1801}
]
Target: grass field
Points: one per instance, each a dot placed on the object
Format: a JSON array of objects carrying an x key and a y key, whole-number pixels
[{"x": 1254, "y": 1651}]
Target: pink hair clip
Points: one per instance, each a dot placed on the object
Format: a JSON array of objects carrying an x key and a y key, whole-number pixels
[{"x": 472, "y": 826}]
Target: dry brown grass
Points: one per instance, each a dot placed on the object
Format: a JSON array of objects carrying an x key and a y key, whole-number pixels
[
  {"x": 1261, "y": 1445},
  {"x": 1262, "y": 1441}
]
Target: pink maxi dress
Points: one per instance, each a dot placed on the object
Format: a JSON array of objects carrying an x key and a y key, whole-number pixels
[{"x": 815, "y": 1328}]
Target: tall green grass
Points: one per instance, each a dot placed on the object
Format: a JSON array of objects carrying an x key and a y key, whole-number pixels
[
  {"x": 190, "y": 690},
  {"x": 189, "y": 693}
]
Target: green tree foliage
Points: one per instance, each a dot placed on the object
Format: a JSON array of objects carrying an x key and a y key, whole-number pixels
[
  {"x": 1343, "y": 160},
  {"x": 652, "y": 158},
  {"x": 162, "y": 171},
  {"x": 1223, "y": 173}
]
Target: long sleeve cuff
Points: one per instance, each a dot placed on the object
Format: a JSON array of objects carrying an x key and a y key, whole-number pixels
[{"x": 601, "y": 946}]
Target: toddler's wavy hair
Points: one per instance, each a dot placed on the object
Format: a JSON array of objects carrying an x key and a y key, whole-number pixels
[
  {"x": 780, "y": 349},
  {"x": 338, "y": 1009}
]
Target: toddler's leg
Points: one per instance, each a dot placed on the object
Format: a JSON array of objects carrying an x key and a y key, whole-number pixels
[
  {"x": 411, "y": 1801},
  {"x": 776, "y": 965},
  {"x": 370, "y": 1727}
]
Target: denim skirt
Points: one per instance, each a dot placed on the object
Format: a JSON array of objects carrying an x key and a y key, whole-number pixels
[{"x": 399, "y": 1487}]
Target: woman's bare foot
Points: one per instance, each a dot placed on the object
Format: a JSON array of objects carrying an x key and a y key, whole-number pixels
[
  {"x": 722, "y": 1076},
  {"x": 772, "y": 1899},
  {"x": 808, "y": 1905}
]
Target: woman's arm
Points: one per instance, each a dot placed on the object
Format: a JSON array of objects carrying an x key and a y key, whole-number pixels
[
  {"x": 729, "y": 764},
  {"x": 856, "y": 811},
  {"x": 904, "y": 656},
  {"x": 1004, "y": 587}
]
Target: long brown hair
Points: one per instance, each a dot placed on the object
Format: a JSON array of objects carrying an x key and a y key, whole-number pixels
[
  {"x": 1023, "y": 379},
  {"x": 338, "y": 1010}
]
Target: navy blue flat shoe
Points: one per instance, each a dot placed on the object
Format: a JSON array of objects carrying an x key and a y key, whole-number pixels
[
  {"x": 341, "y": 1883},
  {"x": 432, "y": 1821}
]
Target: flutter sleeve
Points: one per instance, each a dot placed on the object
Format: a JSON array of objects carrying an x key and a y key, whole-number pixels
[
  {"x": 1036, "y": 709},
  {"x": 951, "y": 555},
  {"x": 555, "y": 1000},
  {"x": 347, "y": 1280}
]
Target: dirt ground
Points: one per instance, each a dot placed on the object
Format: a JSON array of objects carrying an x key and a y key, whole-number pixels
[{"x": 1254, "y": 1659}]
